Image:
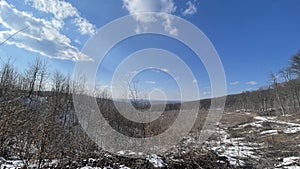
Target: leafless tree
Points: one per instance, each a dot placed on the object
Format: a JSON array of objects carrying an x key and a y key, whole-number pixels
[
  {"x": 8, "y": 77},
  {"x": 276, "y": 87},
  {"x": 33, "y": 74}
]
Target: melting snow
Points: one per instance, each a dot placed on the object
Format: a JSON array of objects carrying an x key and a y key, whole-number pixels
[
  {"x": 14, "y": 163},
  {"x": 129, "y": 152},
  {"x": 156, "y": 161},
  {"x": 264, "y": 118},
  {"x": 124, "y": 167},
  {"x": 254, "y": 124},
  {"x": 292, "y": 130},
  {"x": 234, "y": 149},
  {"x": 269, "y": 132},
  {"x": 290, "y": 162}
]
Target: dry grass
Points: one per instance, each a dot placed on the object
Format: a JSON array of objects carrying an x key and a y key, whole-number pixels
[{"x": 234, "y": 119}]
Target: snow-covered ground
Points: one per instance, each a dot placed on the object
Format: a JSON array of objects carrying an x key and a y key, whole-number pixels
[
  {"x": 292, "y": 130},
  {"x": 234, "y": 149},
  {"x": 156, "y": 161},
  {"x": 290, "y": 163},
  {"x": 232, "y": 142},
  {"x": 239, "y": 149}
]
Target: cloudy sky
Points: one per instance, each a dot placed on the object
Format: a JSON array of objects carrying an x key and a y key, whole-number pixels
[{"x": 252, "y": 38}]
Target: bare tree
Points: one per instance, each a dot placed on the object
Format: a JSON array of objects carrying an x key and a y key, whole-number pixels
[
  {"x": 33, "y": 74},
  {"x": 295, "y": 65},
  {"x": 8, "y": 77},
  {"x": 276, "y": 87},
  {"x": 137, "y": 96},
  {"x": 43, "y": 75}
]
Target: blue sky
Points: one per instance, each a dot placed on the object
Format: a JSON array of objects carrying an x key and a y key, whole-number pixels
[{"x": 252, "y": 38}]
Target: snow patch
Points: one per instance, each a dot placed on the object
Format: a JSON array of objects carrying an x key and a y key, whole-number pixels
[
  {"x": 292, "y": 130},
  {"x": 156, "y": 161},
  {"x": 269, "y": 132},
  {"x": 124, "y": 167},
  {"x": 290, "y": 162},
  {"x": 234, "y": 149}
]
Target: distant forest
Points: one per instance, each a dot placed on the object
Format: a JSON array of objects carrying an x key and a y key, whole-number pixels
[{"x": 281, "y": 96}]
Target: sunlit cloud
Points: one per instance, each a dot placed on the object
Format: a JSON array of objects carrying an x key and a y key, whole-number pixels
[
  {"x": 39, "y": 35},
  {"x": 234, "y": 83},
  {"x": 251, "y": 83},
  {"x": 190, "y": 10}
]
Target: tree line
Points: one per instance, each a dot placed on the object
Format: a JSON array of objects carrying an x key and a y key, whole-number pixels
[
  {"x": 281, "y": 96},
  {"x": 37, "y": 118}
]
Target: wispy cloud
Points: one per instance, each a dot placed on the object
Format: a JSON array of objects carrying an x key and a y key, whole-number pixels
[
  {"x": 251, "y": 83},
  {"x": 41, "y": 36},
  {"x": 207, "y": 93},
  {"x": 190, "y": 10},
  {"x": 62, "y": 10},
  {"x": 164, "y": 70},
  {"x": 249, "y": 89},
  {"x": 101, "y": 88},
  {"x": 159, "y": 70},
  {"x": 235, "y": 83},
  {"x": 150, "y": 82},
  {"x": 77, "y": 41},
  {"x": 194, "y": 81}
]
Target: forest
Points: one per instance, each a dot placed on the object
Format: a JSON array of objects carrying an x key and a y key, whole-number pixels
[{"x": 38, "y": 122}]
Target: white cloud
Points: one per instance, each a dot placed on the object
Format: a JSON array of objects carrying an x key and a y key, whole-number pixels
[
  {"x": 150, "y": 82},
  {"x": 235, "y": 83},
  {"x": 84, "y": 27},
  {"x": 138, "y": 6},
  {"x": 132, "y": 73},
  {"x": 62, "y": 10},
  {"x": 168, "y": 25},
  {"x": 160, "y": 6},
  {"x": 251, "y": 83},
  {"x": 190, "y": 10},
  {"x": 57, "y": 24},
  {"x": 77, "y": 41},
  {"x": 206, "y": 93},
  {"x": 194, "y": 81},
  {"x": 164, "y": 70},
  {"x": 41, "y": 36},
  {"x": 104, "y": 87}
]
